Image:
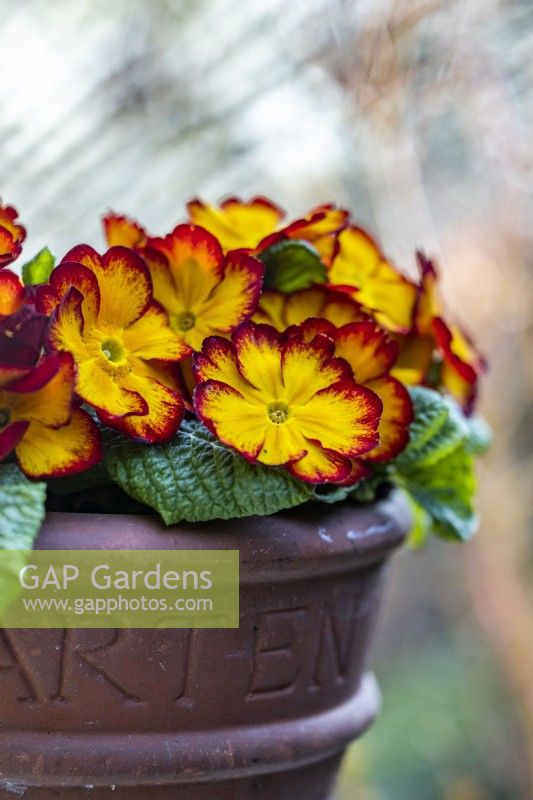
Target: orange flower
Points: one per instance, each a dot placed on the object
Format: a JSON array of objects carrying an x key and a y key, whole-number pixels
[
  {"x": 203, "y": 291},
  {"x": 360, "y": 268},
  {"x": 12, "y": 235},
  {"x": 256, "y": 224},
  {"x": 284, "y": 402},
  {"x": 122, "y": 230},
  {"x": 103, "y": 313}
]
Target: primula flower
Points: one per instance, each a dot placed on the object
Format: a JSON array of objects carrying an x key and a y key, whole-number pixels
[
  {"x": 203, "y": 291},
  {"x": 103, "y": 312},
  {"x": 282, "y": 401},
  {"x": 12, "y": 235},
  {"x": 461, "y": 363},
  {"x": 256, "y": 224},
  {"x": 122, "y": 230},
  {"x": 360, "y": 268},
  {"x": 284, "y": 310},
  {"x": 12, "y": 293},
  {"x": 371, "y": 354},
  {"x": 37, "y": 420}
]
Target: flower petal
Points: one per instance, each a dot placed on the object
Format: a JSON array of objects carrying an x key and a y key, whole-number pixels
[
  {"x": 360, "y": 264},
  {"x": 165, "y": 408},
  {"x": 343, "y": 418},
  {"x": 12, "y": 235},
  {"x": 320, "y": 466},
  {"x": 235, "y": 421},
  {"x": 66, "y": 325},
  {"x": 123, "y": 279},
  {"x": 282, "y": 445},
  {"x": 258, "y": 349},
  {"x": 319, "y": 227},
  {"x": 121, "y": 230},
  {"x": 21, "y": 338},
  {"x": 271, "y": 309},
  {"x": 237, "y": 224},
  {"x": 282, "y": 311},
  {"x": 395, "y": 419},
  {"x": 427, "y": 305},
  {"x": 125, "y": 287},
  {"x": 65, "y": 276},
  {"x": 9, "y": 373},
  {"x": 11, "y": 435},
  {"x": 236, "y": 297},
  {"x": 11, "y": 293},
  {"x": 367, "y": 349},
  {"x": 414, "y": 359},
  {"x": 151, "y": 337},
  {"x": 105, "y": 390},
  {"x": 308, "y": 368},
  {"x": 45, "y": 394},
  {"x": 217, "y": 362},
  {"x": 195, "y": 263},
  {"x": 47, "y": 452},
  {"x": 462, "y": 363}
]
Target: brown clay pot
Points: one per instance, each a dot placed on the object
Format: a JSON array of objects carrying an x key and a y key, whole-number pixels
[{"x": 262, "y": 712}]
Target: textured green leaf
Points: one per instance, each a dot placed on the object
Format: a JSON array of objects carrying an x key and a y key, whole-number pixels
[
  {"x": 430, "y": 414},
  {"x": 437, "y": 467},
  {"x": 196, "y": 478},
  {"x": 446, "y": 492},
  {"x": 21, "y": 508},
  {"x": 38, "y": 270},
  {"x": 479, "y": 436},
  {"x": 291, "y": 265}
]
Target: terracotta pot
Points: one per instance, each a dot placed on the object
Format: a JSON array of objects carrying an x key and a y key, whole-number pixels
[{"x": 261, "y": 712}]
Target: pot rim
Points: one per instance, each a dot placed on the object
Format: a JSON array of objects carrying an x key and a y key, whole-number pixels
[{"x": 306, "y": 541}]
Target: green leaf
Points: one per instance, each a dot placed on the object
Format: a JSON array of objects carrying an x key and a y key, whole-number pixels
[
  {"x": 196, "y": 478},
  {"x": 479, "y": 436},
  {"x": 291, "y": 265},
  {"x": 38, "y": 270},
  {"x": 437, "y": 467},
  {"x": 446, "y": 493},
  {"x": 421, "y": 529},
  {"x": 21, "y": 508},
  {"x": 430, "y": 414}
]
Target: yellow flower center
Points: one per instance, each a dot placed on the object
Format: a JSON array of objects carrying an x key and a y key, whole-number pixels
[
  {"x": 278, "y": 413},
  {"x": 184, "y": 321},
  {"x": 113, "y": 350}
]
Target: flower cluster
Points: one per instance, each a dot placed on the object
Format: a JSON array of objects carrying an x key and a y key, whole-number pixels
[{"x": 312, "y": 380}]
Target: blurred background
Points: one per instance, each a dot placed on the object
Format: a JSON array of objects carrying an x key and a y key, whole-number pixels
[{"x": 417, "y": 115}]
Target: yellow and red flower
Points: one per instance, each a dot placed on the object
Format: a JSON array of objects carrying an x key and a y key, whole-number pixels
[
  {"x": 461, "y": 364},
  {"x": 256, "y": 224},
  {"x": 122, "y": 230},
  {"x": 103, "y": 313},
  {"x": 282, "y": 401},
  {"x": 12, "y": 293},
  {"x": 284, "y": 310},
  {"x": 204, "y": 292},
  {"x": 12, "y": 235},
  {"x": 360, "y": 269},
  {"x": 37, "y": 419},
  {"x": 371, "y": 354}
]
